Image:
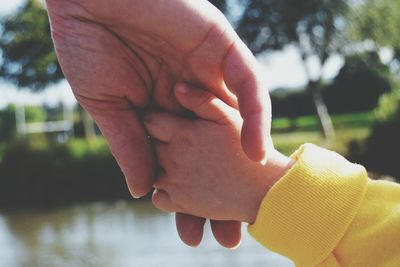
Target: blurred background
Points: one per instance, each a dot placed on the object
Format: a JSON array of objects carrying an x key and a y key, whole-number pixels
[{"x": 333, "y": 68}]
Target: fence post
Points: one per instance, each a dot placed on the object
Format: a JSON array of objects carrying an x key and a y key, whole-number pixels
[{"x": 20, "y": 119}]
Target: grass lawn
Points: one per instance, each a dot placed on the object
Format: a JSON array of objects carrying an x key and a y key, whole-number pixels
[
  {"x": 311, "y": 123},
  {"x": 287, "y": 143}
]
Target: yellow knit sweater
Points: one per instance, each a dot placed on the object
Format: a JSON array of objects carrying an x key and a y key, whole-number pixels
[{"x": 326, "y": 212}]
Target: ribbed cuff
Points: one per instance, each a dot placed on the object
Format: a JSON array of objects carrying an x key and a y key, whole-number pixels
[{"x": 306, "y": 213}]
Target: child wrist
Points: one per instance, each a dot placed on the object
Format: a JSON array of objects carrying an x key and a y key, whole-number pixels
[{"x": 275, "y": 169}]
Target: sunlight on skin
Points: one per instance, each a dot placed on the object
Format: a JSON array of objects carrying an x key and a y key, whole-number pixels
[{"x": 102, "y": 46}]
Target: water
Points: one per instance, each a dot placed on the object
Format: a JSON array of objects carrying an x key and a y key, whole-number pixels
[{"x": 118, "y": 234}]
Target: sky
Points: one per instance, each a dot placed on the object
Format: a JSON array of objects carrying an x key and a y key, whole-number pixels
[{"x": 283, "y": 69}]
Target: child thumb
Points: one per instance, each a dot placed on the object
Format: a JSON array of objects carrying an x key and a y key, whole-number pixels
[{"x": 203, "y": 103}]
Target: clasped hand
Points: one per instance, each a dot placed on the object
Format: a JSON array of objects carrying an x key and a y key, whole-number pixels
[{"x": 121, "y": 57}]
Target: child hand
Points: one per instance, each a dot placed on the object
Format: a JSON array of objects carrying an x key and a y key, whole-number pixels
[{"x": 205, "y": 171}]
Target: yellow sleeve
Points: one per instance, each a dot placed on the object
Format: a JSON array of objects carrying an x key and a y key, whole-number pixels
[{"x": 326, "y": 212}]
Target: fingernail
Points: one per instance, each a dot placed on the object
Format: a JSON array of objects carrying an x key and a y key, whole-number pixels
[
  {"x": 183, "y": 89},
  {"x": 135, "y": 197},
  {"x": 237, "y": 246}
]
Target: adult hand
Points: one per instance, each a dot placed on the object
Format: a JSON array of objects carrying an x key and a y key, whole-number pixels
[{"x": 124, "y": 56}]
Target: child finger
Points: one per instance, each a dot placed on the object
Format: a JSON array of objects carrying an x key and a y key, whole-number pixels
[
  {"x": 227, "y": 233},
  {"x": 162, "y": 126},
  {"x": 162, "y": 201},
  {"x": 203, "y": 103},
  {"x": 190, "y": 228}
]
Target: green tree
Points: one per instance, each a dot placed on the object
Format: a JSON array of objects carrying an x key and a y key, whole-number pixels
[
  {"x": 359, "y": 84},
  {"x": 27, "y": 53},
  {"x": 315, "y": 27},
  {"x": 28, "y": 58},
  {"x": 378, "y": 21},
  {"x": 383, "y": 143}
]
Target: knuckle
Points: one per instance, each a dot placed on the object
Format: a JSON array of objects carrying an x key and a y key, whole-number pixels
[{"x": 205, "y": 100}]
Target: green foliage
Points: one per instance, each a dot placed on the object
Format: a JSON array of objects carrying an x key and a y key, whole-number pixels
[
  {"x": 35, "y": 114},
  {"x": 389, "y": 107},
  {"x": 28, "y": 57},
  {"x": 83, "y": 148},
  {"x": 359, "y": 84},
  {"x": 292, "y": 103},
  {"x": 41, "y": 173},
  {"x": 357, "y": 88},
  {"x": 378, "y": 20},
  {"x": 382, "y": 146},
  {"x": 312, "y": 26},
  {"x": 7, "y": 123}
]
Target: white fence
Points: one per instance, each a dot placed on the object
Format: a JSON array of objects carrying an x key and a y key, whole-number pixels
[{"x": 65, "y": 126}]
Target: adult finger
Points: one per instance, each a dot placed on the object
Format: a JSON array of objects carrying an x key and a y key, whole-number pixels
[
  {"x": 190, "y": 228},
  {"x": 243, "y": 76},
  {"x": 162, "y": 126},
  {"x": 131, "y": 148},
  {"x": 227, "y": 233},
  {"x": 203, "y": 103}
]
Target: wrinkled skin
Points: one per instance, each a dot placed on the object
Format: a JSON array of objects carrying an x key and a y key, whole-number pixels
[{"x": 123, "y": 57}]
